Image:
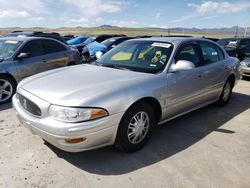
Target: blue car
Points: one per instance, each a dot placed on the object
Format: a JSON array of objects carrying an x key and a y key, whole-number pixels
[
  {"x": 94, "y": 47},
  {"x": 89, "y": 51},
  {"x": 77, "y": 40}
]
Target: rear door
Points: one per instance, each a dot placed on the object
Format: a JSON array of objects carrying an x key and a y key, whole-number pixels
[
  {"x": 34, "y": 62},
  {"x": 185, "y": 87},
  {"x": 214, "y": 70},
  {"x": 56, "y": 54}
]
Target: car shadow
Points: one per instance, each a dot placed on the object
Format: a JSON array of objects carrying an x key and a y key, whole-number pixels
[
  {"x": 5, "y": 106},
  {"x": 167, "y": 140}
]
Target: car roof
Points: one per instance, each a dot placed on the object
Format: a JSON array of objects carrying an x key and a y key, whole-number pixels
[
  {"x": 25, "y": 38},
  {"x": 175, "y": 40},
  {"x": 233, "y": 38}
]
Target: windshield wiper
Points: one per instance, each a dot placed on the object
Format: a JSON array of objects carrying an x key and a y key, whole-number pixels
[
  {"x": 109, "y": 65},
  {"x": 115, "y": 66}
]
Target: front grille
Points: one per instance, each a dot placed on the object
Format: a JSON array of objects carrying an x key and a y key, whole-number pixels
[{"x": 29, "y": 106}]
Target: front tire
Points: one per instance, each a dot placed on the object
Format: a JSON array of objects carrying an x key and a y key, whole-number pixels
[
  {"x": 7, "y": 89},
  {"x": 135, "y": 128},
  {"x": 226, "y": 94}
]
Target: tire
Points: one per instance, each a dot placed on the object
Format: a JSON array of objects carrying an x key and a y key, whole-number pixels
[
  {"x": 226, "y": 93},
  {"x": 132, "y": 136},
  {"x": 7, "y": 89},
  {"x": 71, "y": 64}
]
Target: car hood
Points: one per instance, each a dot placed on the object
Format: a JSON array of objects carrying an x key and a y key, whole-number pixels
[{"x": 77, "y": 85}]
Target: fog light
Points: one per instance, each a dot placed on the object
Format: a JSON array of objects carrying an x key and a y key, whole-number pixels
[{"x": 75, "y": 140}]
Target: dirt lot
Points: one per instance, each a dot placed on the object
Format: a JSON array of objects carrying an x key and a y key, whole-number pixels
[{"x": 206, "y": 148}]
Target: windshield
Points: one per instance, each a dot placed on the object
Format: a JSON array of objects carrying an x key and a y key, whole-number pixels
[
  {"x": 8, "y": 48},
  {"x": 89, "y": 40},
  {"x": 141, "y": 56},
  {"x": 108, "y": 42},
  {"x": 229, "y": 44}
]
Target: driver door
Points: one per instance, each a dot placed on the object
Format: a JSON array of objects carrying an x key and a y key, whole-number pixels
[
  {"x": 185, "y": 87},
  {"x": 34, "y": 62}
]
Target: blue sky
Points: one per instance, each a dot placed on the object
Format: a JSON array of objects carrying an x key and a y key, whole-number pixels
[{"x": 125, "y": 13}]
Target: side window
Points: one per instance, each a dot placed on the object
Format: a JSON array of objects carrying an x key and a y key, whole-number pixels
[
  {"x": 189, "y": 52},
  {"x": 33, "y": 48},
  {"x": 52, "y": 46},
  {"x": 211, "y": 53}
]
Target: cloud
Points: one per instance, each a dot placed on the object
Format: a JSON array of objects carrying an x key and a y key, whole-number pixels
[
  {"x": 158, "y": 15},
  {"x": 222, "y": 7},
  {"x": 184, "y": 18},
  {"x": 35, "y": 6},
  {"x": 95, "y": 7},
  {"x": 10, "y": 14},
  {"x": 79, "y": 20}
]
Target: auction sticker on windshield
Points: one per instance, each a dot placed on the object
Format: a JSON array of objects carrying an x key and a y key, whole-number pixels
[{"x": 163, "y": 45}]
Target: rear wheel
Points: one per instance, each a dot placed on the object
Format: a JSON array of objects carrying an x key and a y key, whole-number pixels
[
  {"x": 135, "y": 128},
  {"x": 7, "y": 89},
  {"x": 226, "y": 93}
]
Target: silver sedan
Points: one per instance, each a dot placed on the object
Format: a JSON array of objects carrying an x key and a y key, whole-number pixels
[{"x": 122, "y": 96}]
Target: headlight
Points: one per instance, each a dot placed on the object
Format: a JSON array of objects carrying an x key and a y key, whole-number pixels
[
  {"x": 243, "y": 63},
  {"x": 74, "y": 115}
]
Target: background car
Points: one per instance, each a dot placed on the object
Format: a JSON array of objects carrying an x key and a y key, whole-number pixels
[
  {"x": 52, "y": 35},
  {"x": 90, "y": 50},
  {"x": 77, "y": 40},
  {"x": 21, "y": 57},
  {"x": 236, "y": 47},
  {"x": 119, "y": 98},
  {"x": 98, "y": 38},
  {"x": 68, "y": 37},
  {"x": 245, "y": 68}
]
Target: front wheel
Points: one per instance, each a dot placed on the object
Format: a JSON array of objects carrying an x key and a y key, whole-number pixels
[
  {"x": 226, "y": 94},
  {"x": 7, "y": 89},
  {"x": 135, "y": 128}
]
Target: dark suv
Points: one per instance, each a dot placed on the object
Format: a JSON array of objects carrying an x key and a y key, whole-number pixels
[
  {"x": 52, "y": 35},
  {"x": 21, "y": 57},
  {"x": 236, "y": 47}
]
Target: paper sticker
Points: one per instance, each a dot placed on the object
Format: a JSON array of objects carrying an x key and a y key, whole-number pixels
[
  {"x": 11, "y": 41},
  {"x": 163, "y": 45}
]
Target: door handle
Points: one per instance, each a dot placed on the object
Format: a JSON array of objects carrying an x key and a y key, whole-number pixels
[
  {"x": 199, "y": 76},
  {"x": 44, "y": 60}
]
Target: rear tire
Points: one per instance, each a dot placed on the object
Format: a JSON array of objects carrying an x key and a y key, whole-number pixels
[
  {"x": 7, "y": 89},
  {"x": 71, "y": 63},
  {"x": 135, "y": 128},
  {"x": 226, "y": 93}
]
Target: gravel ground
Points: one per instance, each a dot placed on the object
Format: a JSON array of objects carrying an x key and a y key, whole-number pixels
[{"x": 206, "y": 148}]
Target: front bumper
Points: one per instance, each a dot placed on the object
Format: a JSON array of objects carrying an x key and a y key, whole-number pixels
[
  {"x": 245, "y": 71},
  {"x": 98, "y": 133}
]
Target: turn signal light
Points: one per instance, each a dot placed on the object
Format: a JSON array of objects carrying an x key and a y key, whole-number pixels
[{"x": 75, "y": 140}]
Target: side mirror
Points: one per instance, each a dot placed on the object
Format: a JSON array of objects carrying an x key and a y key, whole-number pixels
[
  {"x": 182, "y": 65},
  {"x": 113, "y": 46},
  {"x": 98, "y": 54},
  {"x": 23, "y": 55}
]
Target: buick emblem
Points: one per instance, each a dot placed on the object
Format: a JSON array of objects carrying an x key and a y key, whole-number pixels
[{"x": 24, "y": 102}]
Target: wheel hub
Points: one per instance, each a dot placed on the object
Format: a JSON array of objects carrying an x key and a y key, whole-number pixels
[{"x": 138, "y": 127}]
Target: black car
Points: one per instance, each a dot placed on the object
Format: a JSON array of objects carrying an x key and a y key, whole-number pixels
[
  {"x": 52, "y": 35},
  {"x": 236, "y": 47},
  {"x": 99, "y": 38}
]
